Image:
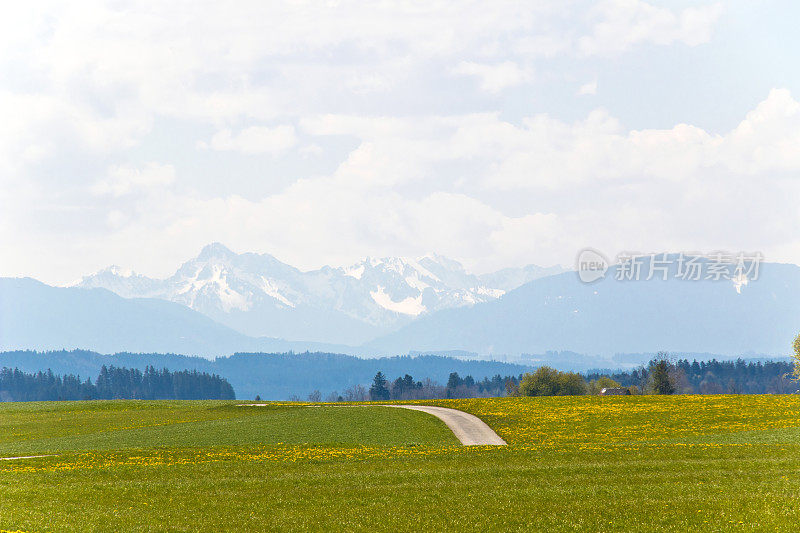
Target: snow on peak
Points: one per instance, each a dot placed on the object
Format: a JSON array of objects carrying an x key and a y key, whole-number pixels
[
  {"x": 491, "y": 293},
  {"x": 118, "y": 271},
  {"x": 378, "y": 291},
  {"x": 416, "y": 265},
  {"x": 270, "y": 288},
  {"x": 446, "y": 262},
  {"x": 408, "y": 306},
  {"x": 215, "y": 249},
  {"x": 355, "y": 271},
  {"x": 217, "y": 284},
  {"x": 416, "y": 282}
]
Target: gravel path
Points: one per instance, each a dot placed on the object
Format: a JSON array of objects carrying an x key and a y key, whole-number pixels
[
  {"x": 469, "y": 429},
  {"x": 23, "y": 457}
]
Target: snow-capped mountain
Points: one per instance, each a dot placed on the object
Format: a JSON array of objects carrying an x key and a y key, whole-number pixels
[
  {"x": 125, "y": 283},
  {"x": 614, "y": 315},
  {"x": 261, "y": 296}
]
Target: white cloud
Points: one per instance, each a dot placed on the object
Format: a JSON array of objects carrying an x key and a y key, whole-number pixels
[
  {"x": 495, "y": 77},
  {"x": 568, "y": 185},
  {"x": 116, "y": 218},
  {"x": 547, "y": 154},
  {"x": 588, "y": 88},
  {"x": 384, "y": 148},
  {"x": 95, "y": 79},
  {"x": 254, "y": 140},
  {"x": 621, "y": 24},
  {"x": 123, "y": 180},
  {"x": 134, "y": 57},
  {"x": 310, "y": 150}
]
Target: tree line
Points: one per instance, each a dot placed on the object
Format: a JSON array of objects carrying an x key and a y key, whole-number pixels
[
  {"x": 114, "y": 383},
  {"x": 272, "y": 376},
  {"x": 662, "y": 375},
  {"x": 680, "y": 376},
  {"x": 407, "y": 388}
]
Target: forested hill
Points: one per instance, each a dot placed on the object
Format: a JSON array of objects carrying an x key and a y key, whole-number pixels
[
  {"x": 286, "y": 375},
  {"x": 272, "y": 376},
  {"x": 113, "y": 383},
  {"x": 715, "y": 377}
]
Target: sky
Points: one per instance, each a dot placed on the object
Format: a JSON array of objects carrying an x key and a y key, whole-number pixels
[{"x": 496, "y": 133}]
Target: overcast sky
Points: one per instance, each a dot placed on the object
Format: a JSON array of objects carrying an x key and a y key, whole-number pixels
[{"x": 498, "y": 134}]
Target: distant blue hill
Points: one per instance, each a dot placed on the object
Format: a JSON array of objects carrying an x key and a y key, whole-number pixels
[
  {"x": 272, "y": 376},
  {"x": 40, "y": 317},
  {"x": 552, "y": 314},
  {"x": 609, "y": 316}
]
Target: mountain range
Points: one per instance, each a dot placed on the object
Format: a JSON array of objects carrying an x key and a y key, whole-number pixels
[
  {"x": 193, "y": 311},
  {"x": 258, "y": 295},
  {"x": 611, "y": 316}
]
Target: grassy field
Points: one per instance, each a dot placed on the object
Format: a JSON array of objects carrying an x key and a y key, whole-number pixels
[
  {"x": 50, "y": 427},
  {"x": 698, "y": 463}
]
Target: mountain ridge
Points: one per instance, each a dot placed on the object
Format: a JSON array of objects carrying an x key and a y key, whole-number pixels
[
  {"x": 258, "y": 295},
  {"x": 37, "y": 316},
  {"x": 556, "y": 313},
  {"x": 610, "y": 316}
]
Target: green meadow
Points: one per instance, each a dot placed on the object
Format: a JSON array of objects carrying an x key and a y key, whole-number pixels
[{"x": 679, "y": 463}]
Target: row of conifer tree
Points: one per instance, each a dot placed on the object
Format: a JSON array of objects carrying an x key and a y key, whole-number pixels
[{"x": 114, "y": 383}]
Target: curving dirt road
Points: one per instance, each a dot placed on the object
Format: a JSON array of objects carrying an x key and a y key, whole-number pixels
[{"x": 469, "y": 429}]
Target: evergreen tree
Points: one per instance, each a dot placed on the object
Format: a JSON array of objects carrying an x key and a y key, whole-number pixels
[
  {"x": 661, "y": 382},
  {"x": 113, "y": 383},
  {"x": 378, "y": 392}
]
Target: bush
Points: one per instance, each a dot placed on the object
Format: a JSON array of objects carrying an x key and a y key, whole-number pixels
[
  {"x": 603, "y": 382},
  {"x": 548, "y": 381}
]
